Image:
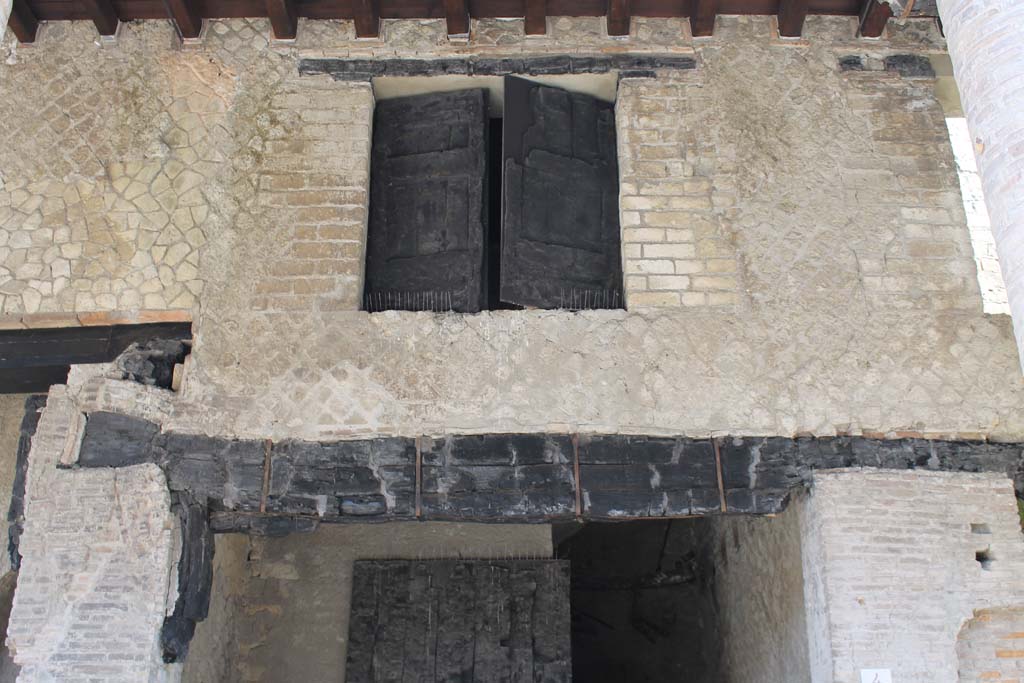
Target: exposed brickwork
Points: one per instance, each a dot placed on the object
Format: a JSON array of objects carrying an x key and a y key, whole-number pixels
[
  {"x": 675, "y": 248},
  {"x": 907, "y": 171},
  {"x": 990, "y": 647},
  {"x": 104, "y": 536},
  {"x": 900, "y": 574},
  {"x": 313, "y": 181}
]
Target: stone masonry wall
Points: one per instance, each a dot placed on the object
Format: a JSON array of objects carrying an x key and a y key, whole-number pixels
[
  {"x": 796, "y": 255},
  {"x": 759, "y": 593},
  {"x": 96, "y": 564},
  {"x": 899, "y": 566},
  {"x": 795, "y": 247}
]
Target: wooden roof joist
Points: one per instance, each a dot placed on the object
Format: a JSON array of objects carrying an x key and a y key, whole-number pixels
[{"x": 284, "y": 14}]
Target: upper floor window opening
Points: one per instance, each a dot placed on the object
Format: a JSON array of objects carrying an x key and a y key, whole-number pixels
[{"x": 472, "y": 213}]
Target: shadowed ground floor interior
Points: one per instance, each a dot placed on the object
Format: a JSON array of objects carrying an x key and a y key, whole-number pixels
[{"x": 650, "y": 600}]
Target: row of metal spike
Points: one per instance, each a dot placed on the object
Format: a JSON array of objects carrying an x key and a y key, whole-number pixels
[
  {"x": 441, "y": 301},
  {"x": 434, "y": 301},
  {"x": 586, "y": 299}
]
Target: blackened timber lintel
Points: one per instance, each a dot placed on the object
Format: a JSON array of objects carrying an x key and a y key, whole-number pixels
[
  {"x": 368, "y": 69},
  {"x": 260, "y": 488},
  {"x": 513, "y": 477}
]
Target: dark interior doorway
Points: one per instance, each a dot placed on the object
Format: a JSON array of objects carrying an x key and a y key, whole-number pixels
[
  {"x": 494, "y": 178},
  {"x": 642, "y": 601}
]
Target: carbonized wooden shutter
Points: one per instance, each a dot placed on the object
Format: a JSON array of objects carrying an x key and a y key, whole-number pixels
[
  {"x": 428, "y": 193},
  {"x": 560, "y": 214}
]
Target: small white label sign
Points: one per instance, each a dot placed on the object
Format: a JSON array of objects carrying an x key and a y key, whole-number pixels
[{"x": 875, "y": 676}]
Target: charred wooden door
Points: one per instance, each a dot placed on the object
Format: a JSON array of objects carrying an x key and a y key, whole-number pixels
[
  {"x": 470, "y": 621},
  {"x": 428, "y": 193},
  {"x": 560, "y": 213}
]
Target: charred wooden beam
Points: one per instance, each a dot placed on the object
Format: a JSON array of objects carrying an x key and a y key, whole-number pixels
[
  {"x": 367, "y": 17},
  {"x": 791, "y": 17},
  {"x": 195, "y": 577},
  {"x": 23, "y": 22},
  {"x": 547, "y": 65},
  {"x": 456, "y": 14},
  {"x": 103, "y": 15},
  {"x": 186, "y": 18},
  {"x": 873, "y": 18},
  {"x": 283, "y": 18},
  {"x": 536, "y": 17},
  {"x": 702, "y": 17},
  {"x": 508, "y": 477},
  {"x": 618, "y": 17},
  {"x": 33, "y": 359}
]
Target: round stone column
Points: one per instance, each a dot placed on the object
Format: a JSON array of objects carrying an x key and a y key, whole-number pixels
[{"x": 986, "y": 45}]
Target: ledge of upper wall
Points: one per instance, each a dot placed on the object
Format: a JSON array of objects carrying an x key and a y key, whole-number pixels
[{"x": 92, "y": 319}]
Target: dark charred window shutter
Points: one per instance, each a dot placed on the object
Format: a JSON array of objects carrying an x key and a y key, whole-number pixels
[
  {"x": 560, "y": 215},
  {"x": 428, "y": 192}
]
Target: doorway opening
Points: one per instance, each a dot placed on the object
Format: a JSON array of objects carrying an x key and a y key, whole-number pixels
[{"x": 701, "y": 600}]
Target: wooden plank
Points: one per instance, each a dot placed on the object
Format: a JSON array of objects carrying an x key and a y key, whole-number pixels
[
  {"x": 637, "y": 476},
  {"x": 702, "y": 17},
  {"x": 536, "y": 17},
  {"x": 74, "y": 345},
  {"x": 791, "y": 17},
  {"x": 476, "y": 477},
  {"x": 229, "y": 9},
  {"x": 283, "y": 19},
  {"x": 367, "y": 17},
  {"x": 23, "y": 22},
  {"x": 103, "y": 15},
  {"x": 456, "y": 14},
  {"x": 493, "y": 587},
  {"x": 546, "y": 262},
  {"x": 618, "y": 17},
  {"x": 185, "y": 15},
  {"x": 32, "y": 379},
  {"x": 873, "y": 18},
  {"x": 460, "y": 620},
  {"x": 428, "y": 170},
  {"x": 455, "y": 632}
]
